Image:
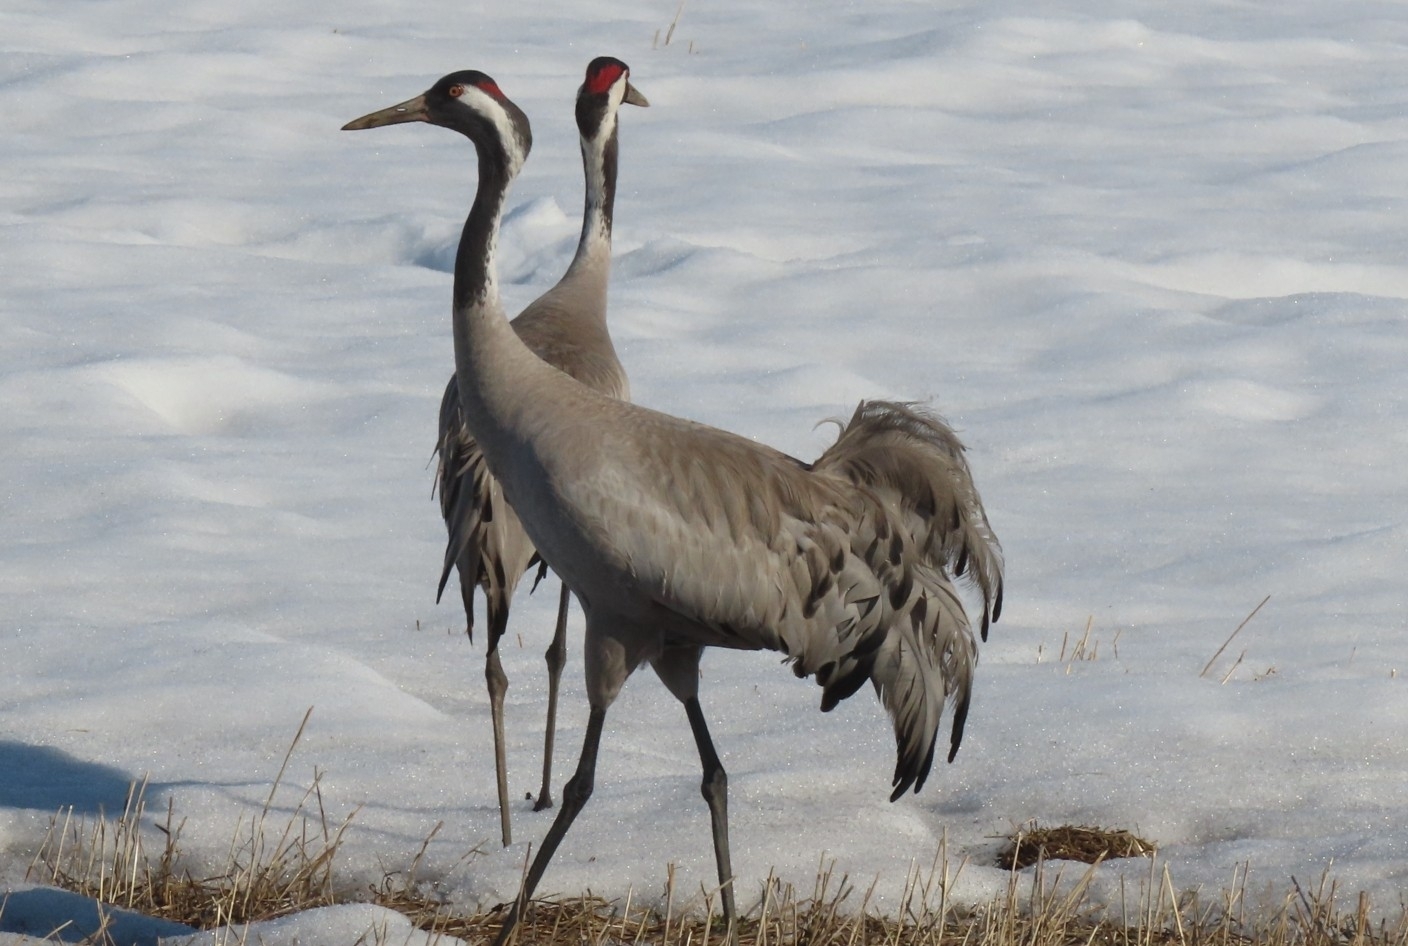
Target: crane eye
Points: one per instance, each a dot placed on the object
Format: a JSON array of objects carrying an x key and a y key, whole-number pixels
[{"x": 456, "y": 90}]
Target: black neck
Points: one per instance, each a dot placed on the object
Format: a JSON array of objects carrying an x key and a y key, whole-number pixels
[
  {"x": 606, "y": 194},
  {"x": 474, "y": 272},
  {"x": 594, "y": 113}
]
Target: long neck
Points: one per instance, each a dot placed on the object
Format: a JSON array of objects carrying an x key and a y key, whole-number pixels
[
  {"x": 476, "y": 280},
  {"x": 484, "y": 342},
  {"x": 599, "y": 168}
]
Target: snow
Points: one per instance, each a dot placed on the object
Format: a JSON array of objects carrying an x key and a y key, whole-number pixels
[
  {"x": 325, "y": 926},
  {"x": 33, "y": 913},
  {"x": 1147, "y": 258}
]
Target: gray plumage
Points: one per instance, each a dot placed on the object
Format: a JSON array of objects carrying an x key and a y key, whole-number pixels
[
  {"x": 565, "y": 327},
  {"x": 677, "y": 536}
]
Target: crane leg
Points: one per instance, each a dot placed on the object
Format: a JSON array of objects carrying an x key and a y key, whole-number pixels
[
  {"x": 715, "y": 791},
  {"x": 498, "y": 685},
  {"x": 556, "y": 657},
  {"x": 574, "y": 797}
]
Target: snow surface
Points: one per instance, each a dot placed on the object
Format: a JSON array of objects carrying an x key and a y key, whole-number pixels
[{"x": 1149, "y": 258}]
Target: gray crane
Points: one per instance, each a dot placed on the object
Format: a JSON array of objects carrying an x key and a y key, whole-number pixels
[
  {"x": 676, "y": 536},
  {"x": 566, "y": 327}
]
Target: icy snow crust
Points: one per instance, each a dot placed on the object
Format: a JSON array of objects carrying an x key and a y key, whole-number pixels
[{"x": 1150, "y": 262}]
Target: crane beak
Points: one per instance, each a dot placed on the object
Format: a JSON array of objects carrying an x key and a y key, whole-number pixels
[
  {"x": 412, "y": 110},
  {"x": 633, "y": 96}
]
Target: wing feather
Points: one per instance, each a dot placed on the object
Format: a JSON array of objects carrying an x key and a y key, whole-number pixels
[
  {"x": 845, "y": 565},
  {"x": 913, "y": 458}
]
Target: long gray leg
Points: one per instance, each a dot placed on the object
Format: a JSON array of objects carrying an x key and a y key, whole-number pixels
[
  {"x": 498, "y": 685},
  {"x": 574, "y": 797},
  {"x": 715, "y": 791},
  {"x": 556, "y": 658}
]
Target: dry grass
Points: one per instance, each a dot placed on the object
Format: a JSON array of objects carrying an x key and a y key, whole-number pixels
[
  {"x": 1071, "y": 843},
  {"x": 1039, "y": 907},
  {"x": 273, "y": 871},
  {"x": 268, "y": 873},
  {"x": 655, "y": 42},
  {"x": 1083, "y": 649},
  {"x": 1238, "y": 662}
]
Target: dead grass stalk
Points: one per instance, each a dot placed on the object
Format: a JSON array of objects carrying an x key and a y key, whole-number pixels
[{"x": 273, "y": 871}]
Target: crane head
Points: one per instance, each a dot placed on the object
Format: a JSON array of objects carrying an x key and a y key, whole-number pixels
[{"x": 469, "y": 102}]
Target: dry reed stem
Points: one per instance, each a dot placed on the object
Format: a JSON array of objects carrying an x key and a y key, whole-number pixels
[
  {"x": 1213, "y": 659},
  {"x": 1035, "y": 909},
  {"x": 107, "y": 860}
]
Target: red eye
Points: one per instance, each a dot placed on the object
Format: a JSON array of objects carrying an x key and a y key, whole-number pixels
[{"x": 456, "y": 90}]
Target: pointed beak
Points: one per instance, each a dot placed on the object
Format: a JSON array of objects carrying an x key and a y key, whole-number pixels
[
  {"x": 413, "y": 110},
  {"x": 633, "y": 96}
]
